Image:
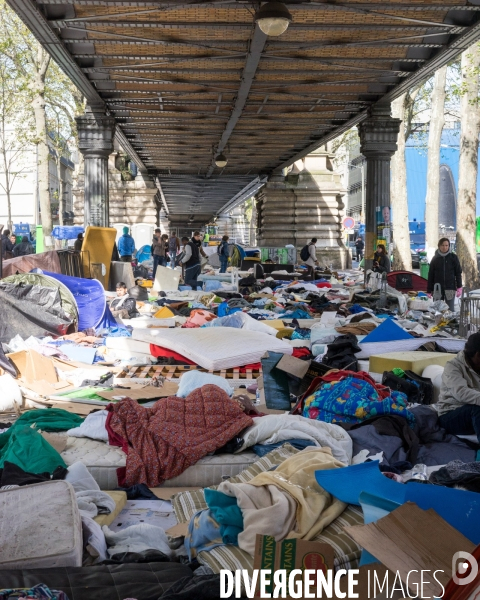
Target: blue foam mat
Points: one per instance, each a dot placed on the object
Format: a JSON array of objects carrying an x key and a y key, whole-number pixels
[
  {"x": 388, "y": 331},
  {"x": 459, "y": 508}
]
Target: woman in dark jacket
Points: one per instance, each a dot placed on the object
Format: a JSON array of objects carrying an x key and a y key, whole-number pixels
[
  {"x": 445, "y": 269},
  {"x": 381, "y": 260}
]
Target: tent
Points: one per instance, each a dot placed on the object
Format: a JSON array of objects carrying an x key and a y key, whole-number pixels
[
  {"x": 35, "y": 304},
  {"x": 93, "y": 310}
]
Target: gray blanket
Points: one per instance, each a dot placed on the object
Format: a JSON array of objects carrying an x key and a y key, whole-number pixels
[{"x": 436, "y": 446}]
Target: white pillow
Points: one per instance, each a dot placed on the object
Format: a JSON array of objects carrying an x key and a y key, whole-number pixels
[
  {"x": 93, "y": 427},
  {"x": 193, "y": 380}
]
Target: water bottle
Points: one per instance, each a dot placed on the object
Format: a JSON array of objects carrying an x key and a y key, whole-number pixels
[{"x": 419, "y": 472}]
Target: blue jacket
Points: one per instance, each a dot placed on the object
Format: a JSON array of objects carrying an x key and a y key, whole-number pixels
[{"x": 126, "y": 245}]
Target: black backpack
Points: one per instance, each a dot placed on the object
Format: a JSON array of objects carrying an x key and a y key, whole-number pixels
[
  {"x": 419, "y": 390},
  {"x": 305, "y": 253}
]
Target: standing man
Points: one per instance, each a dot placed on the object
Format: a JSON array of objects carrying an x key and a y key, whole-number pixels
[
  {"x": 23, "y": 248},
  {"x": 224, "y": 254},
  {"x": 311, "y": 261},
  {"x": 158, "y": 251},
  {"x": 7, "y": 246},
  {"x": 359, "y": 246},
  {"x": 192, "y": 260},
  {"x": 77, "y": 246},
  {"x": 126, "y": 246},
  {"x": 173, "y": 248}
]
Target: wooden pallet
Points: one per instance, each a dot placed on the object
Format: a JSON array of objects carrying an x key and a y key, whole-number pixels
[{"x": 176, "y": 371}]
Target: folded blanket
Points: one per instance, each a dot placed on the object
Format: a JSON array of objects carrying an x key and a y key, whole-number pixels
[
  {"x": 92, "y": 502},
  {"x": 164, "y": 440},
  {"x": 271, "y": 429},
  {"x": 286, "y": 502}
]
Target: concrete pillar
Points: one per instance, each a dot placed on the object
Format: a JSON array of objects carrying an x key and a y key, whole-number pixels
[
  {"x": 378, "y": 142},
  {"x": 304, "y": 204},
  {"x": 95, "y": 141}
]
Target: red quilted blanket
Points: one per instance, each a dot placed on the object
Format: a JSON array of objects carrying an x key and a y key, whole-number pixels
[{"x": 164, "y": 440}]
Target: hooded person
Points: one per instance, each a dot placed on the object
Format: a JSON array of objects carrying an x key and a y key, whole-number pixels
[
  {"x": 126, "y": 246},
  {"x": 23, "y": 248},
  {"x": 7, "y": 245},
  {"x": 458, "y": 405},
  {"x": 445, "y": 269}
]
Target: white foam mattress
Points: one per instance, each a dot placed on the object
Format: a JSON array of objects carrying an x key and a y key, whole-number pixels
[
  {"x": 102, "y": 461},
  {"x": 40, "y": 527},
  {"x": 124, "y": 343},
  {"x": 215, "y": 348}
]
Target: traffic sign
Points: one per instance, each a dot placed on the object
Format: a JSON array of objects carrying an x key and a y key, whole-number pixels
[{"x": 348, "y": 223}]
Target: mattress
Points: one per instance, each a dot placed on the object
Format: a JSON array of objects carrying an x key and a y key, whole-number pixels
[
  {"x": 102, "y": 461},
  {"x": 40, "y": 526},
  {"x": 127, "y": 344},
  {"x": 215, "y": 347}
]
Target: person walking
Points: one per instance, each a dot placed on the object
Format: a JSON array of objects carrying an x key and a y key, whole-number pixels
[
  {"x": 359, "y": 247},
  {"x": 7, "y": 245},
  {"x": 192, "y": 260},
  {"x": 445, "y": 269},
  {"x": 126, "y": 246},
  {"x": 381, "y": 260},
  {"x": 224, "y": 254},
  {"x": 23, "y": 248},
  {"x": 158, "y": 251},
  {"x": 310, "y": 259},
  {"x": 173, "y": 248}
]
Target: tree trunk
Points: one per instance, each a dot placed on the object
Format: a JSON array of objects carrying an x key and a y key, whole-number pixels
[
  {"x": 7, "y": 187},
  {"x": 467, "y": 175},
  {"x": 43, "y": 151},
  {"x": 60, "y": 187},
  {"x": 437, "y": 120},
  {"x": 402, "y": 258}
]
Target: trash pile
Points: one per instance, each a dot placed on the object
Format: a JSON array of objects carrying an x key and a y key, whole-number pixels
[{"x": 147, "y": 446}]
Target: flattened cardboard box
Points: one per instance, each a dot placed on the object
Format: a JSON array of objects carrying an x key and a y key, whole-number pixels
[{"x": 289, "y": 555}]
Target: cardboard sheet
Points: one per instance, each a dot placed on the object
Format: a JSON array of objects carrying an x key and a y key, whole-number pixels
[
  {"x": 410, "y": 540},
  {"x": 142, "y": 393},
  {"x": 166, "y": 493},
  {"x": 153, "y": 512}
]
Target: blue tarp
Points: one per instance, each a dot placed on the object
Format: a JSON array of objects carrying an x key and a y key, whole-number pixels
[
  {"x": 67, "y": 233},
  {"x": 90, "y": 297}
]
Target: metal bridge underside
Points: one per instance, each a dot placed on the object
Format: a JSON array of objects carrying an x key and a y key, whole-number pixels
[{"x": 186, "y": 79}]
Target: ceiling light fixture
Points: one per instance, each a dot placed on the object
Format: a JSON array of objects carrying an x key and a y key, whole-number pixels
[
  {"x": 221, "y": 160},
  {"x": 273, "y": 18}
]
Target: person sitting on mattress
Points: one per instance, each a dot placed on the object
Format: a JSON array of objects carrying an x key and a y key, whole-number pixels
[
  {"x": 123, "y": 306},
  {"x": 459, "y": 402}
]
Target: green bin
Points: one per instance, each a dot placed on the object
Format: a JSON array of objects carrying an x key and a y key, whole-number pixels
[{"x": 424, "y": 268}]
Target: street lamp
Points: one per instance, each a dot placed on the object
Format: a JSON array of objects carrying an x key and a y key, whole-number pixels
[{"x": 273, "y": 18}]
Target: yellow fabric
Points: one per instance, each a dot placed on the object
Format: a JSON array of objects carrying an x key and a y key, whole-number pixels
[
  {"x": 316, "y": 508},
  {"x": 120, "y": 499},
  {"x": 286, "y": 332},
  {"x": 287, "y": 502},
  {"x": 163, "y": 313}
]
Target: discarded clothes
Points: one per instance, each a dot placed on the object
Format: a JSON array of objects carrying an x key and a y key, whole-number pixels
[
  {"x": 349, "y": 398},
  {"x": 26, "y": 448},
  {"x": 458, "y": 474},
  {"x": 39, "y": 592},
  {"x": 286, "y": 502},
  {"x": 12, "y": 474},
  {"x": 162, "y": 441}
]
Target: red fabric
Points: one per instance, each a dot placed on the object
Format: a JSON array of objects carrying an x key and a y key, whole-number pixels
[
  {"x": 115, "y": 440},
  {"x": 159, "y": 351},
  {"x": 301, "y": 352},
  {"x": 324, "y": 284},
  {"x": 252, "y": 367},
  {"x": 175, "y": 433},
  {"x": 419, "y": 283}
]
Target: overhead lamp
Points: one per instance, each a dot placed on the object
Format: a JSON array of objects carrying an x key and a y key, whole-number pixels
[
  {"x": 221, "y": 160},
  {"x": 273, "y": 18}
]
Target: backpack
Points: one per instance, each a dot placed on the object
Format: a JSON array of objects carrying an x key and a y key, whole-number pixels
[
  {"x": 172, "y": 244},
  {"x": 305, "y": 253},
  {"x": 220, "y": 249}
]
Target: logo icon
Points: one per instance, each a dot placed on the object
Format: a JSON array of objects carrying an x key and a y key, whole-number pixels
[{"x": 462, "y": 562}]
